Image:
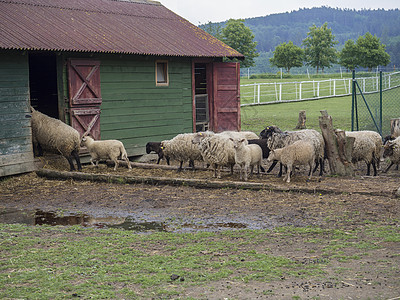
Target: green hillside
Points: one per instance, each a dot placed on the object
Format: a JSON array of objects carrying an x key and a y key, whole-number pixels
[{"x": 346, "y": 24}]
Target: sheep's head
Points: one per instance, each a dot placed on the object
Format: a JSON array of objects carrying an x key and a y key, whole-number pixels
[
  {"x": 85, "y": 140},
  {"x": 153, "y": 146},
  {"x": 271, "y": 156},
  {"x": 237, "y": 143},
  {"x": 389, "y": 148},
  {"x": 199, "y": 136},
  {"x": 269, "y": 130}
]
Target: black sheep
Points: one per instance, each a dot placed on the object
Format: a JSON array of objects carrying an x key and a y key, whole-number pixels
[{"x": 156, "y": 147}]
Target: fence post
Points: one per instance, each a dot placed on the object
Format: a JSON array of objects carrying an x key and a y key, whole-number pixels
[
  {"x": 280, "y": 91},
  {"x": 334, "y": 87},
  {"x": 380, "y": 102},
  {"x": 300, "y": 90},
  {"x": 254, "y": 94},
  {"x": 259, "y": 93},
  {"x": 318, "y": 89}
]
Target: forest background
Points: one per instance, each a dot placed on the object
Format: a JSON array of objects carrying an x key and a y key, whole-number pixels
[{"x": 346, "y": 24}]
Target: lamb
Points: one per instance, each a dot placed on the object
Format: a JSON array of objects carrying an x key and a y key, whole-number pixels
[
  {"x": 55, "y": 136},
  {"x": 181, "y": 148},
  {"x": 105, "y": 149},
  {"x": 247, "y": 156},
  {"x": 278, "y": 139},
  {"x": 216, "y": 149},
  {"x": 156, "y": 147},
  {"x": 367, "y": 147},
  {"x": 300, "y": 152},
  {"x": 392, "y": 150}
]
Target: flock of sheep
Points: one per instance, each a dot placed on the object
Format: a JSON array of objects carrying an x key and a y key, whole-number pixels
[
  {"x": 290, "y": 148},
  {"x": 229, "y": 148}
]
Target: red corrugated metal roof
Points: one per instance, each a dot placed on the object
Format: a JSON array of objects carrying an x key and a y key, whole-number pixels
[{"x": 110, "y": 26}]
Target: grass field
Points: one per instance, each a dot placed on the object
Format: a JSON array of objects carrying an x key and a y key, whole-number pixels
[{"x": 285, "y": 115}]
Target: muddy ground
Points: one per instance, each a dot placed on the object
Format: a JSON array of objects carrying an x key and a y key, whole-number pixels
[{"x": 329, "y": 202}]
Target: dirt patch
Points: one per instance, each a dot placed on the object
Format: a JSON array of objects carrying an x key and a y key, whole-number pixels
[{"x": 337, "y": 202}]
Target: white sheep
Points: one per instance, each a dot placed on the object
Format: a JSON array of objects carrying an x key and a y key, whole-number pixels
[
  {"x": 216, "y": 149},
  {"x": 298, "y": 153},
  {"x": 376, "y": 139},
  {"x": 392, "y": 151},
  {"x": 182, "y": 149},
  {"x": 55, "y": 136},
  {"x": 276, "y": 138},
  {"x": 247, "y": 156},
  {"x": 248, "y": 135},
  {"x": 105, "y": 149},
  {"x": 367, "y": 147}
]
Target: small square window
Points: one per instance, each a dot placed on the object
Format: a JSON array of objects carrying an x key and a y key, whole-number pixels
[{"x": 161, "y": 73}]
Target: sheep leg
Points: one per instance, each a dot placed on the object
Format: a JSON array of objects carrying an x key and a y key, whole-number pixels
[
  {"x": 280, "y": 170},
  {"x": 374, "y": 166},
  {"x": 245, "y": 172},
  {"x": 115, "y": 164},
  {"x": 71, "y": 163},
  {"x": 272, "y": 166},
  {"x": 180, "y": 166},
  {"x": 77, "y": 159},
  {"x": 311, "y": 168},
  {"x": 387, "y": 169},
  {"x": 159, "y": 158},
  {"x": 289, "y": 170},
  {"x": 191, "y": 164},
  {"x": 167, "y": 159},
  {"x": 91, "y": 161}
]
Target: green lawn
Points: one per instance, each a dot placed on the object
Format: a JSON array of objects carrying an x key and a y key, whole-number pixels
[{"x": 285, "y": 115}]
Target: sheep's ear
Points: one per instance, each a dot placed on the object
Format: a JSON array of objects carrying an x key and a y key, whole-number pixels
[
  {"x": 242, "y": 140},
  {"x": 231, "y": 139}
]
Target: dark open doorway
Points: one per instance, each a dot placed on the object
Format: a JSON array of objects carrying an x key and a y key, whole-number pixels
[{"x": 43, "y": 83}]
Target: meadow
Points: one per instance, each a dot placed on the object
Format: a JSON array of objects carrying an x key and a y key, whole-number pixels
[{"x": 285, "y": 114}]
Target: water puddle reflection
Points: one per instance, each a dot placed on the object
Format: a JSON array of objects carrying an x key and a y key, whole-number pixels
[{"x": 39, "y": 217}]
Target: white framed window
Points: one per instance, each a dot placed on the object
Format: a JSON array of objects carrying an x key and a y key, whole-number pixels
[{"x": 162, "y": 78}]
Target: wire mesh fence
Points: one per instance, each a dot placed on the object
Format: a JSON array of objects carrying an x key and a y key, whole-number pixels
[{"x": 376, "y": 101}]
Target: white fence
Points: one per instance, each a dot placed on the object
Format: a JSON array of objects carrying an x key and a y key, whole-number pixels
[{"x": 265, "y": 93}]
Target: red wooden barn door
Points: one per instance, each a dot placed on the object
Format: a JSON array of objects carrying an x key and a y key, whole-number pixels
[
  {"x": 85, "y": 96},
  {"x": 226, "y": 95}
]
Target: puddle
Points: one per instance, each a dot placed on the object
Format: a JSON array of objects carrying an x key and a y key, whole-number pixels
[{"x": 39, "y": 217}]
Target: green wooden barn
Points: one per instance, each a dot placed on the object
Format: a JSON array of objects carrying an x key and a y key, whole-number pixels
[{"x": 128, "y": 70}]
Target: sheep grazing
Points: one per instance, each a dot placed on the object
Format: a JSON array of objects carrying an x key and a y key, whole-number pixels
[
  {"x": 297, "y": 153},
  {"x": 276, "y": 138},
  {"x": 392, "y": 151},
  {"x": 367, "y": 147},
  {"x": 105, "y": 149},
  {"x": 247, "y": 156},
  {"x": 55, "y": 136},
  {"x": 182, "y": 149},
  {"x": 156, "y": 147},
  {"x": 216, "y": 149}
]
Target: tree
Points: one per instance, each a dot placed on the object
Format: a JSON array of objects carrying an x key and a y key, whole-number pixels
[
  {"x": 287, "y": 56},
  {"x": 240, "y": 37},
  {"x": 214, "y": 29},
  {"x": 371, "y": 52},
  {"x": 319, "y": 51},
  {"x": 348, "y": 57}
]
